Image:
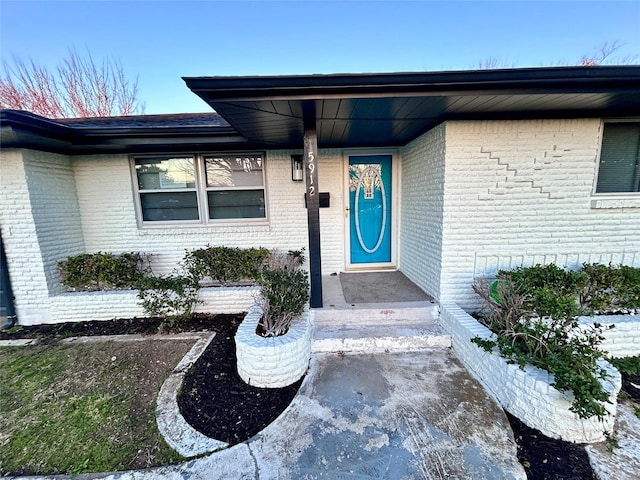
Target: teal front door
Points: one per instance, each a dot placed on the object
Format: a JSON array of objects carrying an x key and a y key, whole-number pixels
[{"x": 370, "y": 209}]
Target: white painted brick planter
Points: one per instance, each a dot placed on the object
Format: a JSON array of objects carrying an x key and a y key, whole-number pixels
[
  {"x": 108, "y": 305},
  {"x": 623, "y": 340},
  {"x": 273, "y": 362},
  {"x": 527, "y": 393}
]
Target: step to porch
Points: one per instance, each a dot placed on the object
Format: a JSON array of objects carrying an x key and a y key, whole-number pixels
[
  {"x": 400, "y": 317},
  {"x": 378, "y": 313},
  {"x": 394, "y": 327},
  {"x": 379, "y": 338}
]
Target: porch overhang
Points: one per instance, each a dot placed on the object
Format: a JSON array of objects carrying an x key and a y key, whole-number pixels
[{"x": 391, "y": 109}]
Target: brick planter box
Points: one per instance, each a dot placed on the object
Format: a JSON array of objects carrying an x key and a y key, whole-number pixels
[
  {"x": 527, "y": 394},
  {"x": 108, "y": 305},
  {"x": 273, "y": 362}
]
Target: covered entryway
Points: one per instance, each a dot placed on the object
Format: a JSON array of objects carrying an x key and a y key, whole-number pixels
[{"x": 391, "y": 110}]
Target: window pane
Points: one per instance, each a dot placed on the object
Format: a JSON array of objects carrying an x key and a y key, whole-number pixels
[
  {"x": 234, "y": 171},
  {"x": 236, "y": 204},
  {"x": 165, "y": 173},
  {"x": 619, "y": 169},
  {"x": 159, "y": 207}
]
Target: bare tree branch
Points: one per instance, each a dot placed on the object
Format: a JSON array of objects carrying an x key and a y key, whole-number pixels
[
  {"x": 77, "y": 88},
  {"x": 606, "y": 54}
]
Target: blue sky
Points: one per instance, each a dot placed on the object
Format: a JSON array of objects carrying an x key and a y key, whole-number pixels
[{"x": 161, "y": 41}]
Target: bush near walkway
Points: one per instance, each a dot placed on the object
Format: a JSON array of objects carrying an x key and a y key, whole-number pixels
[{"x": 534, "y": 310}]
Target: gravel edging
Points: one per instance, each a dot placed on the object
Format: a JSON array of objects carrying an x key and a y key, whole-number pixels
[{"x": 181, "y": 436}]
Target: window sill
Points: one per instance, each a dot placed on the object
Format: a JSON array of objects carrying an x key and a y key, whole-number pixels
[
  {"x": 204, "y": 229},
  {"x": 616, "y": 202}
]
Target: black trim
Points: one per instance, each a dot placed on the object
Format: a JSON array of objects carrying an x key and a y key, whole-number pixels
[
  {"x": 499, "y": 81},
  {"x": 139, "y": 134},
  {"x": 310, "y": 162},
  {"x": 248, "y": 104}
]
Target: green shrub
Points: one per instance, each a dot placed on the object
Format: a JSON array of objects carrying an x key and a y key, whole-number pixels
[
  {"x": 529, "y": 279},
  {"x": 103, "y": 271},
  {"x": 547, "y": 290},
  {"x": 226, "y": 264},
  {"x": 284, "y": 291},
  {"x": 626, "y": 365},
  {"x": 533, "y": 312},
  {"x": 536, "y": 323},
  {"x": 601, "y": 288},
  {"x": 629, "y": 290},
  {"x": 173, "y": 297},
  {"x": 595, "y": 287}
]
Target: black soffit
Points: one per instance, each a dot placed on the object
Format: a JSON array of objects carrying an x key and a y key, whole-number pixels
[
  {"x": 392, "y": 109},
  {"x": 352, "y": 110}
]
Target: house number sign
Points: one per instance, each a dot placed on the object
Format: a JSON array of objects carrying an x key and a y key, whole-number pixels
[{"x": 311, "y": 188}]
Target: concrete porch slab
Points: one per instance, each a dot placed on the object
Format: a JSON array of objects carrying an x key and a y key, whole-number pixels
[{"x": 380, "y": 287}]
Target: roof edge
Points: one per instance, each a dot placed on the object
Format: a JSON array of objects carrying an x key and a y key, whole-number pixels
[
  {"x": 21, "y": 129},
  {"x": 541, "y": 78}
]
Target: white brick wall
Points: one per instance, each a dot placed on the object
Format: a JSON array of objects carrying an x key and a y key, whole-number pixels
[
  {"x": 54, "y": 206},
  {"x": 40, "y": 226},
  {"x": 527, "y": 393},
  {"x": 519, "y": 192},
  {"x": 475, "y": 196},
  {"x": 81, "y": 306},
  {"x": 421, "y": 210},
  {"x": 107, "y": 208},
  {"x": 20, "y": 241}
]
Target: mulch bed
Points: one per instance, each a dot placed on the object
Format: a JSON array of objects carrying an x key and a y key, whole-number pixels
[
  {"x": 545, "y": 458},
  {"x": 144, "y": 326},
  {"x": 217, "y": 402}
]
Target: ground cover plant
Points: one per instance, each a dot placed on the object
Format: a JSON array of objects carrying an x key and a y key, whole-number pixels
[
  {"x": 73, "y": 408},
  {"x": 533, "y": 312}
]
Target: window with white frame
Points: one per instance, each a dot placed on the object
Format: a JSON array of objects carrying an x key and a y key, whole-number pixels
[
  {"x": 200, "y": 188},
  {"x": 619, "y": 169}
]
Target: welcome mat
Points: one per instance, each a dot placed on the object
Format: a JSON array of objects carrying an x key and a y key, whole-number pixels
[{"x": 380, "y": 287}]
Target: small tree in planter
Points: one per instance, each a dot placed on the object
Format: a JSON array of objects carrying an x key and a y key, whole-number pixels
[
  {"x": 284, "y": 291},
  {"x": 273, "y": 343}
]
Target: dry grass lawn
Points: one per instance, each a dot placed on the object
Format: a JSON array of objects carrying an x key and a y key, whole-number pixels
[{"x": 76, "y": 408}]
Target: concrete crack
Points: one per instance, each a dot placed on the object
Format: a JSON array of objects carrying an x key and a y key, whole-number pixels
[{"x": 256, "y": 470}]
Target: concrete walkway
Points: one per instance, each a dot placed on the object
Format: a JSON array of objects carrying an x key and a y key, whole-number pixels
[{"x": 397, "y": 416}]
